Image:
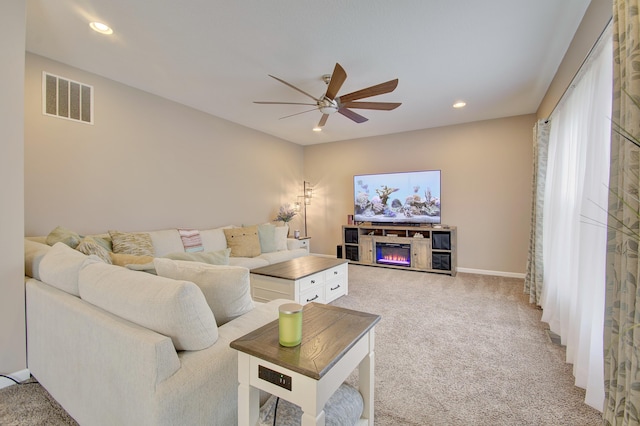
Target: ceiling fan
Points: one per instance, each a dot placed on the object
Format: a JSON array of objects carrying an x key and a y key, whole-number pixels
[{"x": 330, "y": 103}]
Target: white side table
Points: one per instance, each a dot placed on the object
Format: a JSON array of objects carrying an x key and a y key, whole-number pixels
[{"x": 335, "y": 341}]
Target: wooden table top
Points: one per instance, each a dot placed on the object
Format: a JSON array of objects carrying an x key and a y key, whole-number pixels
[
  {"x": 299, "y": 267},
  {"x": 328, "y": 332}
]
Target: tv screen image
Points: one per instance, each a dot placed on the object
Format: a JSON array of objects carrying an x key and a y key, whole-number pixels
[{"x": 400, "y": 198}]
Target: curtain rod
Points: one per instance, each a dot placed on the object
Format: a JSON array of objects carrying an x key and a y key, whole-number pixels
[{"x": 586, "y": 58}]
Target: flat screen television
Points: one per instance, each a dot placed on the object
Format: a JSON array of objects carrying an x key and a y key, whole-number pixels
[{"x": 411, "y": 198}]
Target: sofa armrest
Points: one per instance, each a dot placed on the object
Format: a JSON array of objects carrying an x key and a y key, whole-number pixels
[{"x": 86, "y": 357}]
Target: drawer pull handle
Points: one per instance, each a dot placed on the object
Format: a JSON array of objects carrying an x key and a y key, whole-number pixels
[
  {"x": 335, "y": 288},
  {"x": 313, "y": 281},
  {"x": 335, "y": 272},
  {"x": 313, "y": 298}
]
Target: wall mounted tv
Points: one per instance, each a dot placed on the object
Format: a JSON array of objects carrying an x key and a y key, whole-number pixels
[{"x": 411, "y": 198}]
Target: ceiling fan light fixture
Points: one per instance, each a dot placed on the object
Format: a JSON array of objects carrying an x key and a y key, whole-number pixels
[
  {"x": 317, "y": 129},
  {"x": 327, "y": 106}
]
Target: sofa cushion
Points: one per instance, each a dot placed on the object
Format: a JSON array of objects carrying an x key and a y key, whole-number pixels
[
  {"x": 282, "y": 256},
  {"x": 248, "y": 262},
  {"x": 33, "y": 254},
  {"x": 176, "y": 309},
  {"x": 243, "y": 242},
  {"x": 60, "y": 267},
  {"x": 267, "y": 236},
  {"x": 123, "y": 259},
  {"x": 90, "y": 245},
  {"x": 138, "y": 243},
  {"x": 226, "y": 288},
  {"x": 63, "y": 235},
  {"x": 220, "y": 257}
]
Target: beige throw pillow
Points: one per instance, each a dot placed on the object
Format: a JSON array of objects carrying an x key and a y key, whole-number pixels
[
  {"x": 226, "y": 288},
  {"x": 138, "y": 243},
  {"x": 243, "y": 242},
  {"x": 90, "y": 246}
]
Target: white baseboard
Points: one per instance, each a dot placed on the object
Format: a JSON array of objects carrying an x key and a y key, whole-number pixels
[
  {"x": 20, "y": 376},
  {"x": 487, "y": 272}
]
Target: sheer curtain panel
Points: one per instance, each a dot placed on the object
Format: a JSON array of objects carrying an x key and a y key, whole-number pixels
[{"x": 574, "y": 229}]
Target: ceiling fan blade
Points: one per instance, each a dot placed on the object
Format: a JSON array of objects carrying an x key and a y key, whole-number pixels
[
  {"x": 294, "y": 87},
  {"x": 281, "y": 103},
  {"x": 378, "y": 89},
  {"x": 298, "y": 113},
  {"x": 337, "y": 79},
  {"x": 352, "y": 115},
  {"x": 323, "y": 120},
  {"x": 384, "y": 106}
]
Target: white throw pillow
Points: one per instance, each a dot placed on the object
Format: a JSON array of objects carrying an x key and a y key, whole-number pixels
[
  {"x": 226, "y": 288},
  {"x": 176, "y": 309},
  {"x": 61, "y": 265},
  {"x": 267, "y": 235},
  {"x": 281, "y": 237},
  {"x": 214, "y": 239}
]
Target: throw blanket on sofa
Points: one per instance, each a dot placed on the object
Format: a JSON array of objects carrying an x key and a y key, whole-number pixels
[{"x": 191, "y": 240}]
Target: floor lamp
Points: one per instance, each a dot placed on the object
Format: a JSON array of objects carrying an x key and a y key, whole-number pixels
[{"x": 305, "y": 200}]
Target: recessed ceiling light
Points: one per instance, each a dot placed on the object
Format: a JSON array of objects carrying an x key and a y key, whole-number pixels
[
  {"x": 317, "y": 129},
  {"x": 459, "y": 104},
  {"x": 101, "y": 28}
]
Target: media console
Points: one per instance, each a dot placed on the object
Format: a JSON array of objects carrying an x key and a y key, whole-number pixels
[{"x": 428, "y": 248}]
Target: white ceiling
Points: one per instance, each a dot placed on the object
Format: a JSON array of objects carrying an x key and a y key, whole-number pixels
[{"x": 213, "y": 55}]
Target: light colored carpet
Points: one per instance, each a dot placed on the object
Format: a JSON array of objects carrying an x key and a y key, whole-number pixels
[
  {"x": 468, "y": 350},
  {"x": 464, "y": 350}
]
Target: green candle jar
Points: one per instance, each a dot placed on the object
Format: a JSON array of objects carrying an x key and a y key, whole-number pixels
[{"x": 290, "y": 324}]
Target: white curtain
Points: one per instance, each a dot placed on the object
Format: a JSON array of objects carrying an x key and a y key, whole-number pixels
[{"x": 574, "y": 230}]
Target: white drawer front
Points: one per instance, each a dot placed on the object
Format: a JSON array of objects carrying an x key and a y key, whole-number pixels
[
  {"x": 335, "y": 272},
  {"x": 311, "y": 281},
  {"x": 334, "y": 289},
  {"x": 314, "y": 295}
]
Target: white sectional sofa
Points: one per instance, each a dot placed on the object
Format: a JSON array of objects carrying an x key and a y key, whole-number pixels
[{"x": 119, "y": 346}]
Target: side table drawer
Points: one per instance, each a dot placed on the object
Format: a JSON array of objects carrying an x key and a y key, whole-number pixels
[
  {"x": 311, "y": 281},
  {"x": 314, "y": 295}
]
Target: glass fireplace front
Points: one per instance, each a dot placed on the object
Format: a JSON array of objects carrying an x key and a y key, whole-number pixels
[{"x": 393, "y": 254}]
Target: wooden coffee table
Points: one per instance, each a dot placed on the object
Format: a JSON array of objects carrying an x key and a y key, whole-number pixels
[
  {"x": 334, "y": 342},
  {"x": 304, "y": 279}
]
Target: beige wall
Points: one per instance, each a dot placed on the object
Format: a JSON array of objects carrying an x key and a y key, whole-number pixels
[
  {"x": 486, "y": 185},
  {"x": 147, "y": 163},
  {"x": 12, "y": 315}
]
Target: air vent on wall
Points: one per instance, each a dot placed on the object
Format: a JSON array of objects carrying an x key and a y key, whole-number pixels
[{"x": 66, "y": 98}]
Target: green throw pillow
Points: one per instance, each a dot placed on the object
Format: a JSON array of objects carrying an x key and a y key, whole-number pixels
[
  {"x": 220, "y": 257},
  {"x": 64, "y": 235}
]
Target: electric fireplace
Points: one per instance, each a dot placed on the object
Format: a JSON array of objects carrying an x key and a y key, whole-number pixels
[{"x": 393, "y": 254}]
